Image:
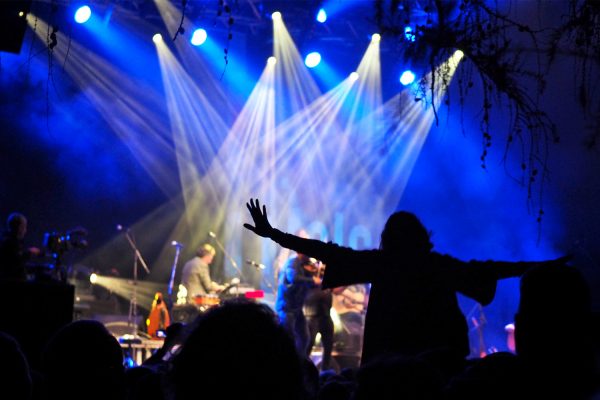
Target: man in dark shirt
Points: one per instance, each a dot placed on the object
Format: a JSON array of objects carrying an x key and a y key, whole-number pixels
[
  {"x": 13, "y": 253},
  {"x": 295, "y": 281},
  {"x": 412, "y": 305},
  {"x": 317, "y": 310}
]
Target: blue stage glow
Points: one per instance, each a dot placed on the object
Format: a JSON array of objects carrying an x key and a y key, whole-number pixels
[
  {"x": 83, "y": 14},
  {"x": 409, "y": 34},
  {"x": 407, "y": 77},
  {"x": 198, "y": 37},
  {"x": 322, "y": 15},
  {"x": 312, "y": 59}
]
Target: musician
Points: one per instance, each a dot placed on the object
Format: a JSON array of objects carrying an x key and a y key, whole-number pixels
[
  {"x": 196, "y": 274},
  {"x": 295, "y": 280},
  {"x": 317, "y": 311},
  {"x": 13, "y": 254},
  {"x": 412, "y": 303}
]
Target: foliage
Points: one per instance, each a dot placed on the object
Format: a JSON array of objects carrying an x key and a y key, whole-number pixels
[{"x": 507, "y": 58}]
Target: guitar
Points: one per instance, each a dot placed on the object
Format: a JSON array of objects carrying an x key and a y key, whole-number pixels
[{"x": 349, "y": 299}]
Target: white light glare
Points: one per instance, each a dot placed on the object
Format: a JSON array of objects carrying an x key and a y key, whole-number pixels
[
  {"x": 322, "y": 15},
  {"x": 276, "y": 16},
  {"x": 271, "y": 60},
  {"x": 376, "y": 37},
  {"x": 409, "y": 34},
  {"x": 83, "y": 14},
  {"x": 198, "y": 37},
  {"x": 353, "y": 76},
  {"x": 93, "y": 278},
  {"x": 312, "y": 59},
  {"x": 407, "y": 77},
  {"x": 157, "y": 38}
]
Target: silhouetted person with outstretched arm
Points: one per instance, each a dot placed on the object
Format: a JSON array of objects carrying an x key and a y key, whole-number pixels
[{"x": 412, "y": 305}]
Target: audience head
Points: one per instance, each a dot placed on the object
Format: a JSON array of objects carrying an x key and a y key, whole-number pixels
[
  {"x": 496, "y": 376},
  {"x": 83, "y": 360},
  {"x": 553, "y": 325},
  {"x": 16, "y": 224},
  {"x": 404, "y": 232},
  {"x": 15, "y": 380},
  {"x": 398, "y": 377},
  {"x": 239, "y": 351}
]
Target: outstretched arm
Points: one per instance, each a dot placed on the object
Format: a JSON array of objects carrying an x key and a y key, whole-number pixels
[{"x": 310, "y": 247}]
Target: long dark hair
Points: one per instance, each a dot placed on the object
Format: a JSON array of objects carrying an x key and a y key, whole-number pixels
[{"x": 404, "y": 232}]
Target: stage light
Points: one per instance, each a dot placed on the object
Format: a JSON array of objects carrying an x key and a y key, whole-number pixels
[
  {"x": 376, "y": 37},
  {"x": 199, "y": 37},
  {"x": 157, "y": 38},
  {"x": 93, "y": 278},
  {"x": 271, "y": 61},
  {"x": 83, "y": 14},
  {"x": 276, "y": 16},
  {"x": 312, "y": 59},
  {"x": 21, "y": 13},
  {"x": 459, "y": 54},
  {"x": 409, "y": 34},
  {"x": 407, "y": 77},
  {"x": 354, "y": 76},
  {"x": 321, "y": 15}
]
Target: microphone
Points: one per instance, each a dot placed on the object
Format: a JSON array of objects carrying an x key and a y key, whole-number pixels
[
  {"x": 176, "y": 244},
  {"x": 255, "y": 264},
  {"x": 122, "y": 228},
  {"x": 212, "y": 234}
]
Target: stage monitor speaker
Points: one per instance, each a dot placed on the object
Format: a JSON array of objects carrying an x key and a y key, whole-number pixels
[
  {"x": 13, "y": 23},
  {"x": 33, "y": 312}
]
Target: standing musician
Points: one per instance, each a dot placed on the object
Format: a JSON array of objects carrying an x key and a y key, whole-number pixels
[
  {"x": 317, "y": 311},
  {"x": 196, "y": 274},
  {"x": 295, "y": 280}
]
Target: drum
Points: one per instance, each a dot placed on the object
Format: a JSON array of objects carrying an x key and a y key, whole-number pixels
[{"x": 207, "y": 300}]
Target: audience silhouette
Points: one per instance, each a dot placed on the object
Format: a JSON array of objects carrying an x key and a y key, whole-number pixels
[
  {"x": 412, "y": 305},
  {"x": 83, "y": 360},
  {"x": 553, "y": 333},
  {"x": 15, "y": 378},
  {"x": 237, "y": 350},
  {"x": 415, "y": 337}
]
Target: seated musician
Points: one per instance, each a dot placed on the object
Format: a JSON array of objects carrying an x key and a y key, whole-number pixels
[{"x": 196, "y": 274}]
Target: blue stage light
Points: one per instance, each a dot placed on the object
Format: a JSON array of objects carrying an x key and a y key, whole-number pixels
[
  {"x": 407, "y": 77},
  {"x": 83, "y": 14},
  {"x": 322, "y": 15},
  {"x": 409, "y": 34},
  {"x": 312, "y": 59},
  {"x": 198, "y": 37}
]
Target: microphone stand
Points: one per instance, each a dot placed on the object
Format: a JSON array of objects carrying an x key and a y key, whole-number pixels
[
  {"x": 178, "y": 247},
  {"x": 212, "y": 235},
  {"x": 132, "y": 318}
]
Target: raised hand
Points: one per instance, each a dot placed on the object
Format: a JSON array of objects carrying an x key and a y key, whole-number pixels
[{"x": 261, "y": 227}]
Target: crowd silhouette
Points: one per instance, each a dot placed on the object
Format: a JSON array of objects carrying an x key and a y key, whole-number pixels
[{"x": 415, "y": 347}]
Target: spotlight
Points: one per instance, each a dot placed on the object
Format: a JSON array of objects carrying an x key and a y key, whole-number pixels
[
  {"x": 271, "y": 60},
  {"x": 83, "y": 14},
  {"x": 409, "y": 34},
  {"x": 312, "y": 59},
  {"x": 459, "y": 54},
  {"x": 321, "y": 15},
  {"x": 21, "y": 14},
  {"x": 276, "y": 16},
  {"x": 354, "y": 76},
  {"x": 198, "y": 37},
  {"x": 376, "y": 37},
  {"x": 157, "y": 38},
  {"x": 407, "y": 77},
  {"x": 93, "y": 278}
]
